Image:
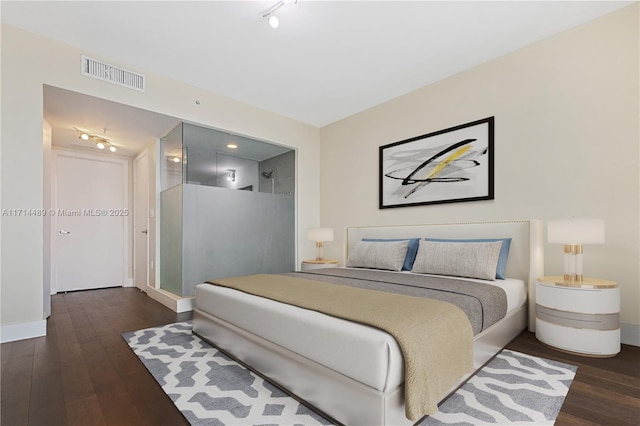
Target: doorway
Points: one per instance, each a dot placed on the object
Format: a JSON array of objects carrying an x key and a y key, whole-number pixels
[{"x": 90, "y": 209}]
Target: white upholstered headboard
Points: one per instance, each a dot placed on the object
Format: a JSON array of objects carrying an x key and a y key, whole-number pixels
[{"x": 526, "y": 256}]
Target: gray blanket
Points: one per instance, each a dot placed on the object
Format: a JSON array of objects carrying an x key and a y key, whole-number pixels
[{"x": 484, "y": 304}]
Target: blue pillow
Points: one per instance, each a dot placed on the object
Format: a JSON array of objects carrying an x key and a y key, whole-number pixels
[
  {"x": 412, "y": 249},
  {"x": 504, "y": 251}
]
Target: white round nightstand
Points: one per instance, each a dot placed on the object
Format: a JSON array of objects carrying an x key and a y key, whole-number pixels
[
  {"x": 579, "y": 317},
  {"x": 308, "y": 265}
]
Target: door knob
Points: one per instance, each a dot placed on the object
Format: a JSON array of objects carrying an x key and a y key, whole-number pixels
[{"x": 63, "y": 232}]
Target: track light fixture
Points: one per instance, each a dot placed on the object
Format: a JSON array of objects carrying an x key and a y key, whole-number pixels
[
  {"x": 274, "y": 22},
  {"x": 101, "y": 142}
]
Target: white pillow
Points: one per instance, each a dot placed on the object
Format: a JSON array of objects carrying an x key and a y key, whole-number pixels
[
  {"x": 378, "y": 255},
  {"x": 472, "y": 260}
]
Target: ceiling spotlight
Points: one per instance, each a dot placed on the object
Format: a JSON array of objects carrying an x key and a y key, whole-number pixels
[
  {"x": 100, "y": 145},
  {"x": 274, "y": 21},
  {"x": 176, "y": 159},
  {"x": 84, "y": 136},
  {"x": 112, "y": 148}
]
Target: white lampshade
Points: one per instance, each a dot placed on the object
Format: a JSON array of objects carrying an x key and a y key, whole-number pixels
[
  {"x": 320, "y": 234},
  {"x": 576, "y": 231}
]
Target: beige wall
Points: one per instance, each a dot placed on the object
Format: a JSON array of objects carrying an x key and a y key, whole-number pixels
[
  {"x": 566, "y": 145},
  {"x": 28, "y": 62}
]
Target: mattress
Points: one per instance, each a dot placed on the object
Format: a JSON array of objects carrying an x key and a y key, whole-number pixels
[
  {"x": 366, "y": 354},
  {"x": 514, "y": 289}
]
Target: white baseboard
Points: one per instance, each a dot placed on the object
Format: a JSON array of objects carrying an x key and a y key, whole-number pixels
[
  {"x": 175, "y": 303},
  {"x": 23, "y": 330},
  {"x": 630, "y": 334}
]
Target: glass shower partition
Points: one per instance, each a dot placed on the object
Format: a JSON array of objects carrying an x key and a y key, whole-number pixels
[{"x": 217, "y": 216}]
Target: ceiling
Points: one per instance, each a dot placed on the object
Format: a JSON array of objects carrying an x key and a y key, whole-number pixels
[
  {"x": 326, "y": 61},
  {"x": 132, "y": 129},
  {"x": 129, "y": 129}
]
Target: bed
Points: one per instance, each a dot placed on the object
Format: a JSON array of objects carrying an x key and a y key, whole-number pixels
[{"x": 352, "y": 371}]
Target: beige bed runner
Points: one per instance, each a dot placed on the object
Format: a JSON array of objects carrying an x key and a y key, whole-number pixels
[{"x": 435, "y": 337}]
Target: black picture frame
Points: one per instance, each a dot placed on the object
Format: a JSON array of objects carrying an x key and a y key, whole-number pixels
[{"x": 448, "y": 166}]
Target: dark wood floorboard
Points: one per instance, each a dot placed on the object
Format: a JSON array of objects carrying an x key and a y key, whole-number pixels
[
  {"x": 605, "y": 391},
  {"x": 83, "y": 372}
]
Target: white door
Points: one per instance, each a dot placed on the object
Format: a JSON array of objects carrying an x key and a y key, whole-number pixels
[
  {"x": 91, "y": 221},
  {"x": 141, "y": 221}
]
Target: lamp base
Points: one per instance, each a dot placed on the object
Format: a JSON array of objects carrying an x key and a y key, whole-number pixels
[
  {"x": 574, "y": 278},
  {"x": 573, "y": 265},
  {"x": 319, "y": 245}
]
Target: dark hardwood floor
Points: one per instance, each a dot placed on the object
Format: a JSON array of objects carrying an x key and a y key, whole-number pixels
[{"x": 83, "y": 373}]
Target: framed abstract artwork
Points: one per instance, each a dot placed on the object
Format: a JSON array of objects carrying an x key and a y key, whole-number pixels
[{"x": 447, "y": 166}]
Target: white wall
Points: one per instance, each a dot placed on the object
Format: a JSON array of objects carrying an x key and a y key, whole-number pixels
[
  {"x": 22, "y": 188},
  {"x": 47, "y": 221},
  {"x": 153, "y": 188},
  {"x": 28, "y": 63},
  {"x": 566, "y": 145}
]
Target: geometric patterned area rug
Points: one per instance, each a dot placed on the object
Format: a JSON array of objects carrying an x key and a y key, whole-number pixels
[
  {"x": 209, "y": 388},
  {"x": 511, "y": 389}
]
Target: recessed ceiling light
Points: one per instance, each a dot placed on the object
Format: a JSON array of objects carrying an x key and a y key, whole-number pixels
[{"x": 232, "y": 146}]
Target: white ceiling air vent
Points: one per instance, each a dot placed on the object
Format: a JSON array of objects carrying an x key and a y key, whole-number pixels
[{"x": 105, "y": 72}]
